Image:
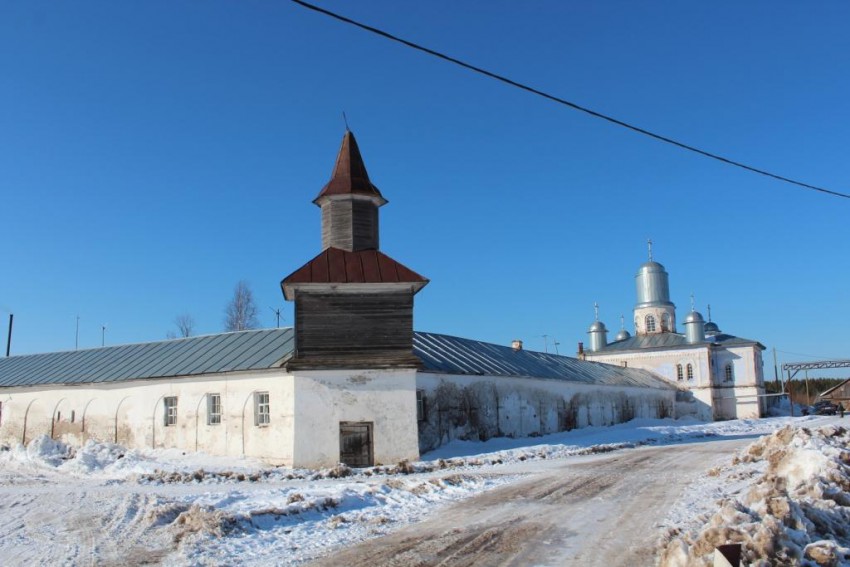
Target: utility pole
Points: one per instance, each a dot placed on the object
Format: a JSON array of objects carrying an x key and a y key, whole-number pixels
[
  {"x": 555, "y": 343},
  {"x": 9, "y": 338},
  {"x": 790, "y": 396},
  {"x": 775, "y": 367},
  {"x": 546, "y": 343},
  {"x": 808, "y": 399}
]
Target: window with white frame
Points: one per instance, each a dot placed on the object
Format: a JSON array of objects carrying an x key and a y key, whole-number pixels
[
  {"x": 170, "y": 413},
  {"x": 420, "y": 405},
  {"x": 213, "y": 409},
  {"x": 261, "y": 409},
  {"x": 650, "y": 324},
  {"x": 730, "y": 372},
  {"x": 680, "y": 374},
  {"x": 690, "y": 372}
]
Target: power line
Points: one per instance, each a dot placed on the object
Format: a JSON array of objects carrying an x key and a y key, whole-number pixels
[{"x": 564, "y": 102}]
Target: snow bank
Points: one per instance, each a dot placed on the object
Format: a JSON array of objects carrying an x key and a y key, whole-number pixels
[{"x": 789, "y": 504}]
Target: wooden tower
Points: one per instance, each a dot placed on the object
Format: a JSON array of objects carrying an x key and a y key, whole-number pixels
[{"x": 353, "y": 304}]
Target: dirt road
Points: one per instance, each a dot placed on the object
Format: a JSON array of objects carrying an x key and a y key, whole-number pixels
[{"x": 601, "y": 510}]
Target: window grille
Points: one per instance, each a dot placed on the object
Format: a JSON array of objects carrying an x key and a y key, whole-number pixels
[
  {"x": 680, "y": 375},
  {"x": 690, "y": 372},
  {"x": 261, "y": 409},
  {"x": 650, "y": 324},
  {"x": 213, "y": 409},
  {"x": 730, "y": 373},
  {"x": 420, "y": 405},
  {"x": 170, "y": 414}
]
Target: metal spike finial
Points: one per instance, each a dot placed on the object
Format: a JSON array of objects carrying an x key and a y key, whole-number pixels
[
  {"x": 709, "y": 312},
  {"x": 693, "y": 307},
  {"x": 649, "y": 246},
  {"x": 622, "y": 322},
  {"x": 345, "y": 119},
  {"x": 596, "y": 310}
]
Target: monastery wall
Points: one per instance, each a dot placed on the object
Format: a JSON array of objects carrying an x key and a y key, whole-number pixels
[
  {"x": 385, "y": 399},
  {"x": 133, "y": 414},
  {"x": 481, "y": 407}
]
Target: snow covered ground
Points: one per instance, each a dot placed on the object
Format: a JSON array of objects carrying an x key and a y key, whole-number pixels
[
  {"x": 785, "y": 498},
  {"x": 104, "y": 504}
]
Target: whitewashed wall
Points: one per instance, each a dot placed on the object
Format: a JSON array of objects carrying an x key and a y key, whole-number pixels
[
  {"x": 481, "y": 407},
  {"x": 132, "y": 413},
  {"x": 385, "y": 398},
  {"x": 716, "y": 398}
]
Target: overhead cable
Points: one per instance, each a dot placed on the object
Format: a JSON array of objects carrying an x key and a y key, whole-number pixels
[{"x": 564, "y": 102}]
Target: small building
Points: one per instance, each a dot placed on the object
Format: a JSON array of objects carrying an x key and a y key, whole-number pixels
[
  {"x": 719, "y": 375},
  {"x": 351, "y": 382},
  {"x": 839, "y": 395}
]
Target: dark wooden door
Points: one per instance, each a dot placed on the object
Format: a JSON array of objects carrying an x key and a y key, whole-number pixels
[{"x": 355, "y": 444}]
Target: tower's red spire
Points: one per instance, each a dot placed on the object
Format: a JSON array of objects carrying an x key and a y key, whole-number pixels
[{"x": 349, "y": 176}]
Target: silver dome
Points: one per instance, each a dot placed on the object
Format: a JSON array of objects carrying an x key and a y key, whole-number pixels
[
  {"x": 598, "y": 336},
  {"x": 622, "y": 335},
  {"x": 653, "y": 286},
  {"x": 694, "y": 328},
  {"x": 597, "y": 327},
  {"x": 694, "y": 317},
  {"x": 711, "y": 328}
]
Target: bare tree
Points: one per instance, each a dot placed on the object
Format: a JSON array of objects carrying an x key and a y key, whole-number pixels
[
  {"x": 241, "y": 312},
  {"x": 185, "y": 325}
]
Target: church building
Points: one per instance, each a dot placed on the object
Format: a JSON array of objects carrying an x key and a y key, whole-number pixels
[
  {"x": 351, "y": 382},
  {"x": 722, "y": 374}
]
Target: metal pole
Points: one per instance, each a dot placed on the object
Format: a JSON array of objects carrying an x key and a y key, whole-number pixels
[
  {"x": 775, "y": 367},
  {"x": 790, "y": 394},
  {"x": 103, "y": 335},
  {"x": 9, "y": 339},
  {"x": 77, "y": 335},
  {"x": 808, "y": 399}
]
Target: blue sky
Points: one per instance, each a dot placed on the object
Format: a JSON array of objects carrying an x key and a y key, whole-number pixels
[{"x": 152, "y": 154}]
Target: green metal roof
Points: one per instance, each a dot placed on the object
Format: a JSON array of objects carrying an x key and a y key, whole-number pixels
[
  {"x": 673, "y": 340},
  {"x": 271, "y": 348},
  {"x": 210, "y": 354}
]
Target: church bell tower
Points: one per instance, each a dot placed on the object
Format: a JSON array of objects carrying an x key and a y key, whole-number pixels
[
  {"x": 654, "y": 312},
  {"x": 353, "y": 303}
]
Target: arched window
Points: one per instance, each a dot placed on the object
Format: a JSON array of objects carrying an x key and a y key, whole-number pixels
[
  {"x": 665, "y": 322},
  {"x": 730, "y": 372},
  {"x": 690, "y": 372},
  {"x": 650, "y": 324},
  {"x": 679, "y": 374}
]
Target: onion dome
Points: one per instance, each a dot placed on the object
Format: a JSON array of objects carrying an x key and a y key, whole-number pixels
[
  {"x": 711, "y": 328},
  {"x": 694, "y": 317},
  {"x": 597, "y": 327},
  {"x": 622, "y": 335},
  {"x": 653, "y": 286},
  {"x": 694, "y": 328}
]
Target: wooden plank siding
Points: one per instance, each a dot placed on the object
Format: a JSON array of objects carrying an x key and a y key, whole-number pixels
[
  {"x": 353, "y": 330},
  {"x": 350, "y": 224}
]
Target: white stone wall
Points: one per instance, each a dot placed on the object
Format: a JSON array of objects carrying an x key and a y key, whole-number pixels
[
  {"x": 385, "y": 398},
  {"x": 481, "y": 407},
  {"x": 663, "y": 363},
  {"x": 132, "y": 413},
  {"x": 716, "y": 397},
  {"x": 658, "y": 313}
]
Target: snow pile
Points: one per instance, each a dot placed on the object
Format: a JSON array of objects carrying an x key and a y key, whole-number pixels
[
  {"x": 296, "y": 524},
  {"x": 792, "y": 506}
]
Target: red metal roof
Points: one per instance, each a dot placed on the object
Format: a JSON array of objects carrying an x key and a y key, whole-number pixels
[
  {"x": 364, "y": 266},
  {"x": 349, "y": 176}
]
